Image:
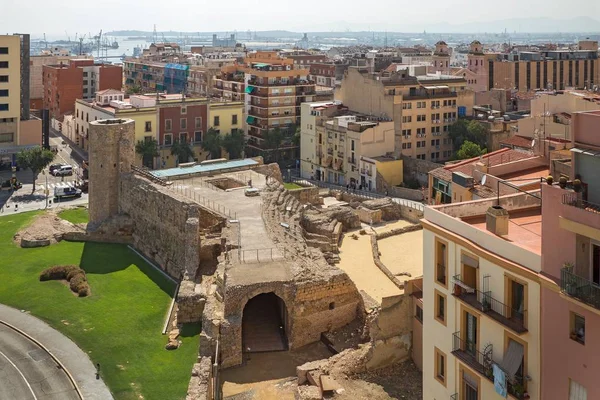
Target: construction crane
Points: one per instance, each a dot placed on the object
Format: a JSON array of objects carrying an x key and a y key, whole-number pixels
[
  {"x": 98, "y": 39},
  {"x": 81, "y": 39},
  {"x": 68, "y": 37}
]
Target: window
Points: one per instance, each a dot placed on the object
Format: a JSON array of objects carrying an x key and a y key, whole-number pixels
[
  {"x": 440, "y": 307},
  {"x": 6, "y": 137},
  {"x": 148, "y": 126},
  {"x": 183, "y": 110},
  {"x": 577, "y": 391},
  {"x": 235, "y": 130},
  {"x": 168, "y": 125},
  {"x": 198, "y": 123},
  {"x": 216, "y": 121},
  {"x": 234, "y": 119},
  {"x": 3, "y": 50},
  {"x": 421, "y": 118},
  {"x": 168, "y": 139},
  {"x": 406, "y": 106},
  {"x": 183, "y": 123},
  {"x": 516, "y": 298},
  {"x": 4, "y": 78},
  {"x": 419, "y": 313},
  {"x": 407, "y": 118},
  {"x": 440, "y": 366},
  {"x": 87, "y": 117},
  {"x": 441, "y": 261},
  {"x": 85, "y": 83},
  {"x": 183, "y": 137},
  {"x": 406, "y": 132},
  {"x": 469, "y": 387},
  {"x": 85, "y": 74},
  {"x": 3, "y": 64},
  {"x": 197, "y": 136},
  {"x": 3, "y": 107},
  {"x": 577, "y": 328}
]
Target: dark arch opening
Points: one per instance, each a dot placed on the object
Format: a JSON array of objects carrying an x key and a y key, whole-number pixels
[{"x": 264, "y": 324}]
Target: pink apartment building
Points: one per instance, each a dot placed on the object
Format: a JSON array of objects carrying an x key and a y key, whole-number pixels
[{"x": 570, "y": 310}]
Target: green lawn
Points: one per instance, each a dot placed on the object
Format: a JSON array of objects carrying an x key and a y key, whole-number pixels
[
  {"x": 291, "y": 186},
  {"x": 77, "y": 215},
  {"x": 119, "y": 325}
]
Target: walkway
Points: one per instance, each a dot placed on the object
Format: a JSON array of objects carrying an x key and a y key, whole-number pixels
[{"x": 73, "y": 358}]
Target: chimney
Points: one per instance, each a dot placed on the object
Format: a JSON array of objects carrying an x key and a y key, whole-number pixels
[{"x": 496, "y": 220}]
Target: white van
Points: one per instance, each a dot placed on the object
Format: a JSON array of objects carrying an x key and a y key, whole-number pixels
[
  {"x": 68, "y": 191},
  {"x": 251, "y": 192},
  {"x": 63, "y": 170}
]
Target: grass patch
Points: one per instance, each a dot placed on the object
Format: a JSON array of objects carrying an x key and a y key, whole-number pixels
[
  {"x": 291, "y": 186},
  {"x": 119, "y": 326},
  {"x": 77, "y": 215}
]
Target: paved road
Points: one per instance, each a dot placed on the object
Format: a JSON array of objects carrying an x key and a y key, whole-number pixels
[
  {"x": 28, "y": 372},
  {"x": 75, "y": 360}
]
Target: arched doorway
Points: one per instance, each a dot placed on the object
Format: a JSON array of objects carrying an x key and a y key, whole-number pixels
[{"x": 264, "y": 324}]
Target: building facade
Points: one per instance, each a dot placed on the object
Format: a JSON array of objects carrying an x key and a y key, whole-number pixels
[
  {"x": 10, "y": 90},
  {"x": 481, "y": 298},
  {"x": 571, "y": 258},
  {"x": 422, "y": 107}
]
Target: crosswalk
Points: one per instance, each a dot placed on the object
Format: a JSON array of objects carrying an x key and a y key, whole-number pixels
[{"x": 51, "y": 186}]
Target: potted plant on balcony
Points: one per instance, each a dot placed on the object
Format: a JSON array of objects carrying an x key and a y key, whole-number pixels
[
  {"x": 549, "y": 180},
  {"x": 519, "y": 390},
  {"x": 562, "y": 182}
]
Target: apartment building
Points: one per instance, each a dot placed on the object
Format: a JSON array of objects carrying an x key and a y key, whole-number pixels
[
  {"x": 343, "y": 148},
  {"x": 551, "y": 113},
  {"x": 571, "y": 258},
  {"x": 422, "y": 107},
  {"x": 481, "y": 297},
  {"x": 78, "y": 79},
  {"x": 274, "y": 91},
  {"x": 556, "y": 69},
  {"x": 229, "y": 84},
  {"x": 165, "y": 118}
]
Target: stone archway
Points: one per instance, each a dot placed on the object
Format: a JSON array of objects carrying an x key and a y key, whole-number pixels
[{"x": 265, "y": 324}]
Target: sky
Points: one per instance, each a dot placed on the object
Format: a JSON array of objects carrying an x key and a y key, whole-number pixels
[{"x": 58, "y": 16}]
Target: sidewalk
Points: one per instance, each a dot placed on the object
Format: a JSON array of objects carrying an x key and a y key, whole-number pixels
[
  {"x": 73, "y": 358},
  {"x": 80, "y": 153}
]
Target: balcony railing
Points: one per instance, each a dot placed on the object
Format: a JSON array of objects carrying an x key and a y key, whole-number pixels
[
  {"x": 498, "y": 311},
  {"x": 579, "y": 288},
  {"x": 483, "y": 363},
  {"x": 573, "y": 199}
]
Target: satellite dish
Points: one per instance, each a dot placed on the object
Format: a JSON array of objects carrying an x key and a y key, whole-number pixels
[
  {"x": 483, "y": 179},
  {"x": 533, "y": 143}
]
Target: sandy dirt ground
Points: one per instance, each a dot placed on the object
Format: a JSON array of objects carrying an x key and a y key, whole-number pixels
[
  {"x": 403, "y": 253},
  {"x": 388, "y": 226},
  {"x": 269, "y": 376},
  {"x": 357, "y": 261}
]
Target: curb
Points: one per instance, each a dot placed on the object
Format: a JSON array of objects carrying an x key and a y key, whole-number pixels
[{"x": 56, "y": 360}]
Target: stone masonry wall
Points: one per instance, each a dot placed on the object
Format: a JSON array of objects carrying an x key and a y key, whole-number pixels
[{"x": 309, "y": 195}]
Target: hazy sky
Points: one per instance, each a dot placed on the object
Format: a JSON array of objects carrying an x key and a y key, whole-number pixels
[{"x": 54, "y": 17}]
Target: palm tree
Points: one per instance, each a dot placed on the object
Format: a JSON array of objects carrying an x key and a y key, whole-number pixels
[
  {"x": 36, "y": 158},
  {"x": 147, "y": 149},
  {"x": 182, "y": 150},
  {"x": 234, "y": 143},
  {"x": 211, "y": 142}
]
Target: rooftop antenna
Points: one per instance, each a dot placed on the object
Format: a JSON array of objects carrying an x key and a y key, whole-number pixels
[{"x": 155, "y": 35}]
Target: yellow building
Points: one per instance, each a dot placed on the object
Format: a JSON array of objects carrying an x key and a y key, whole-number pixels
[
  {"x": 10, "y": 89},
  {"x": 421, "y": 107},
  {"x": 226, "y": 117},
  {"x": 481, "y": 297}
]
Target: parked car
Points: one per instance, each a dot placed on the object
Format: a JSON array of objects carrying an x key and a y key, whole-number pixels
[
  {"x": 68, "y": 191},
  {"x": 11, "y": 183},
  {"x": 54, "y": 167},
  {"x": 63, "y": 170},
  {"x": 251, "y": 192}
]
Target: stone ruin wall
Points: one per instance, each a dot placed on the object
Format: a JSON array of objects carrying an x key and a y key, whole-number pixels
[{"x": 166, "y": 226}]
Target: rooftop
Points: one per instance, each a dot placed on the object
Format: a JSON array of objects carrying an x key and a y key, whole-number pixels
[{"x": 213, "y": 167}]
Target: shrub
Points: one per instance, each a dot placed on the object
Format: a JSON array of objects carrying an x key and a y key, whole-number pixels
[
  {"x": 57, "y": 272},
  {"x": 72, "y": 273}
]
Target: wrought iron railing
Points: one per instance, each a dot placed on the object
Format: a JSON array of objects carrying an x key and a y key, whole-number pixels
[
  {"x": 579, "y": 288},
  {"x": 454, "y": 396},
  {"x": 506, "y": 315},
  {"x": 574, "y": 199}
]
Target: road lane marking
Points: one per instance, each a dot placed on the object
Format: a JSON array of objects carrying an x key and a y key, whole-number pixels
[{"x": 22, "y": 376}]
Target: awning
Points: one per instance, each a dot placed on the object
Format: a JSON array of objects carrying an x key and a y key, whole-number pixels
[
  {"x": 512, "y": 358},
  {"x": 250, "y": 119},
  {"x": 470, "y": 261},
  {"x": 249, "y": 89},
  {"x": 587, "y": 152}
]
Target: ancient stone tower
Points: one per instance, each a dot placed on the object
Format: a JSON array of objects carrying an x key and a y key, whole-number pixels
[{"x": 111, "y": 153}]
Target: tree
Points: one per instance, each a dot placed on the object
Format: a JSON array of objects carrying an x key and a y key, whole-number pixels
[
  {"x": 234, "y": 143},
  {"x": 463, "y": 130},
  {"x": 182, "y": 150},
  {"x": 147, "y": 149},
  {"x": 136, "y": 89},
  {"x": 211, "y": 142},
  {"x": 36, "y": 158},
  {"x": 469, "y": 150},
  {"x": 272, "y": 141}
]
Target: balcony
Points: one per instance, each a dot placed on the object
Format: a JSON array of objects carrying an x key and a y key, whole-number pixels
[
  {"x": 574, "y": 200},
  {"x": 352, "y": 160},
  {"x": 579, "y": 288},
  {"x": 330, "y": 152},
  {"x": 507, "y": 316}
]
